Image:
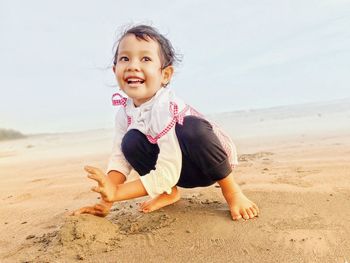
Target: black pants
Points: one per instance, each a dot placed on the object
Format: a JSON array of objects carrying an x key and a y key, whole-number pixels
[{"x": 204, "y": 160}]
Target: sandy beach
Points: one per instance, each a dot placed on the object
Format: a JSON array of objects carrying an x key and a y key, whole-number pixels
[{"x": 294, "y": 162}]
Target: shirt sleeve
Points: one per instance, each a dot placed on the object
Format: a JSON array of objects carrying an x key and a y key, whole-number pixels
[
  {"x": 168, "y": 166},
  {"x": 117, "y": 160}
]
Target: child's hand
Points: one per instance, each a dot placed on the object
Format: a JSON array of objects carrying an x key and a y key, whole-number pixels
[
  {"x": 101, "y": 209},
  {"x": 105, "y": 187}
]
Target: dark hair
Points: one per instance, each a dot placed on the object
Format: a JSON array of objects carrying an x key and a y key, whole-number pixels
[{"x": 143, "y": 32}]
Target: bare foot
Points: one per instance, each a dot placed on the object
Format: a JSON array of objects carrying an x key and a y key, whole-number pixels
[
  {"x": 241, "y": 207},
  {"x": 160, "y": 201}
]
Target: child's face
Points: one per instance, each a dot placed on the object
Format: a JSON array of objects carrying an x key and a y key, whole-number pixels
[{"x": 138, "y": 69}]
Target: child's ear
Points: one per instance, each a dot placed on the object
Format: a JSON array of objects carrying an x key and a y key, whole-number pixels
[
  {"x": 113, "y": 68},
  {"x": 167, "y": 75}
]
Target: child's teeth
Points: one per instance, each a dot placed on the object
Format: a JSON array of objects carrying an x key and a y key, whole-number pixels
[{"x": 135, "y": 81}]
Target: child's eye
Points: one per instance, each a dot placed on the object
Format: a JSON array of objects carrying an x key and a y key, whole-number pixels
[
  {"x": 123, "y": 59},
  {"x": 146, "y": 59}
]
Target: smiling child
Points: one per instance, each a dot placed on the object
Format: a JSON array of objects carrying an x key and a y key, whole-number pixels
[{"x": 158, "y": 135}]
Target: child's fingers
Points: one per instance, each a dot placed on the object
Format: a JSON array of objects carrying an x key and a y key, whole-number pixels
[
  {"x": 95, "y": 174},
  {"x": 83, "y": 210},
  {"x": 90, "y": 169},
  {"x": 95, "y": 178},
  {"x": 100, "y": 207},
  {"x": 99, "y": 190},
  {"x": 93, "y": 170},
  {"x": 93, "y": 210},
  {"x": 98, "y": 178},
  {"x": 101, "y": 210}
]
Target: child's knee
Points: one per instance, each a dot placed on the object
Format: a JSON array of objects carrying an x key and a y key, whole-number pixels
[
  {"x": 193, "y": 129},
  {"x": 131, "y": 142},
  {"x": 136, "y": 145}
]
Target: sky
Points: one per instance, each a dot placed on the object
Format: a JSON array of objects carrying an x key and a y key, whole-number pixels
[{"x": 56, "y": 56}]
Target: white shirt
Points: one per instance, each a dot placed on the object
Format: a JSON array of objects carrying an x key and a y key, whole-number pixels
[{"x": 156, "y": 119}]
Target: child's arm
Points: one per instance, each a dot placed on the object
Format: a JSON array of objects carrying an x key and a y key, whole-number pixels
[
  {"x": 129, "y": 190},
  {"x": 111, "y": 192},
  {"x": 116, "y": 177}
]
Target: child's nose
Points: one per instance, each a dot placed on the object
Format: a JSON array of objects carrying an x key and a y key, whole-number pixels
[{"x": 133, "y": 65}]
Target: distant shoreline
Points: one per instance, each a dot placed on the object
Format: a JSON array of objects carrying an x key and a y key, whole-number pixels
[
  {"x": 10, "y": 134},
  {"x": 322, "y": 110}
]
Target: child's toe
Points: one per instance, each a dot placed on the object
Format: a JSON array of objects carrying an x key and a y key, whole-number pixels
[
  {"x": 236, "y": 215},
  {"x": 245, "y": 214},
  {"x": 255, "y": 213},
  {"x": 146, "y": 210},
  {"x": 141, "y": 205},
  {"x": 250, "y": 213}
]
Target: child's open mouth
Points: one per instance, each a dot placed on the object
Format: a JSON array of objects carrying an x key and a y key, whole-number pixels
[{"x": 135, "y": 81}]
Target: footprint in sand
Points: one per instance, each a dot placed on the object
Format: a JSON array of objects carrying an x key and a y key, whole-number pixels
[
  {"x": 308, "y": 241},
  {"x": 253, "y": 156},
  {"x": 131, "y": 222},
  {"x": 304, "y": 172},
  {"x": 22, "y": 197},
  {"x": 295, "y": 177},
  {"x": 292, "y": 180}
]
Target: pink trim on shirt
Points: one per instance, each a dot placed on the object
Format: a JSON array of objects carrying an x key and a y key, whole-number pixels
[
  {"x": 118, "y": 102},
  {"x": 177, "y": 118},
  {"x": 121, "y": 102}
]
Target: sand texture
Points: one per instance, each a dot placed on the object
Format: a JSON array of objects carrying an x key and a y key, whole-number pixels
[{"x": 298, "y": 174}]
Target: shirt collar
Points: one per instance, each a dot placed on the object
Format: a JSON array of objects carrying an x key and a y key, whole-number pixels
[{"x": 148, "y": 103}]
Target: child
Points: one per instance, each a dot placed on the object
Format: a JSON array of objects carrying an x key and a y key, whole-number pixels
[{"x": 166, "y": 141}]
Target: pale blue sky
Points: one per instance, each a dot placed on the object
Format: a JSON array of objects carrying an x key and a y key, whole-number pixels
[{"x": 55, "y": 56}]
